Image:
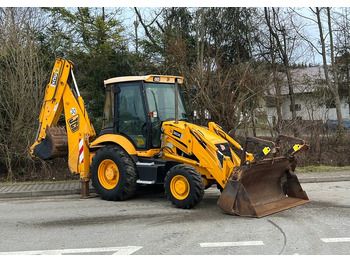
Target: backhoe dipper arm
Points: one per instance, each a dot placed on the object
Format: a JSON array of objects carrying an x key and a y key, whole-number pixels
[{"x": 79, "y": 131}]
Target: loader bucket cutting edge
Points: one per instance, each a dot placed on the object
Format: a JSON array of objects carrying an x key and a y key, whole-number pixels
[{"x": 262, "y": 188}]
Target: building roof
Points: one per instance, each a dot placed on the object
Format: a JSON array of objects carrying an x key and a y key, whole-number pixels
[{"x": 305, "y": 80}]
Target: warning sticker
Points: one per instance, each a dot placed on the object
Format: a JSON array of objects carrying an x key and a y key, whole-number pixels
[
  {"x": 296, "y": 147},
  {"x": 140, "y": 141},
  {"x": 73, "y": 111},
  {"x": 266, "y": 150}
]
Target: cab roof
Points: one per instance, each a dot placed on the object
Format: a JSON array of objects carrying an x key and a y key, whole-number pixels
[{"x": 147, "y": 78}]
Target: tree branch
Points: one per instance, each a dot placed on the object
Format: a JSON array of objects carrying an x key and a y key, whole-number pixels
[{"x": 145, "y": 27}]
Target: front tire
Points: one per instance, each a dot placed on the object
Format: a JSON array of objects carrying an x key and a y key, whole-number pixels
[
  {"x": 184, "y": 186},
  {"x": 113, "y": 173}
]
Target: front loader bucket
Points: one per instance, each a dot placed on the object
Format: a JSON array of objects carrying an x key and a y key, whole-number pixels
[
  {"x": 54, "y": 145},
  {"x": 262, "y": 188}
]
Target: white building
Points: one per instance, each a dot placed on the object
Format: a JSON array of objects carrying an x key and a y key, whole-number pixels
[{"x": 312, "y": 100}]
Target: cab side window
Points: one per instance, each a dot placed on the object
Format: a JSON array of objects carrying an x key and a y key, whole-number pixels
[{"x": 108, "y": 112}]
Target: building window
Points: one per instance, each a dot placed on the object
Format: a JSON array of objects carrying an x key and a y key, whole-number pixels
[
  {"x": 330, "y": 103},
  {"x": 297, "y": 107}
]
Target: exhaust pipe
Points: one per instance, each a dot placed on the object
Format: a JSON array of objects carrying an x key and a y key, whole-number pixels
[{"x": 176, "y": 101}]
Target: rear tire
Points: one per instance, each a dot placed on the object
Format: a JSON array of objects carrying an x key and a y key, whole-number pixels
[
  {"x": 184, "y": 186},
  {"x": 113, "y": 173}
]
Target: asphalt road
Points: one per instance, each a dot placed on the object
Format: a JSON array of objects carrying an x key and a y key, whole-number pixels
[{"x": 149, "y": 224}]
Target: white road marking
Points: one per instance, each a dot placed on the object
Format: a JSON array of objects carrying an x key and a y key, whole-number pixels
[
  {"x": 336, "y": 239},
  {"x": 233, "y": 244},
  {"x": 128, "y": 250}
]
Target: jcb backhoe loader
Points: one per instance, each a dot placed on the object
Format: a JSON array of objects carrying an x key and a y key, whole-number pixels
[{"x": 147, "y": 139}]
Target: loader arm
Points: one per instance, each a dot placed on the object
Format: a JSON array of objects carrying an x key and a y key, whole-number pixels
[
  {"x": 218, "y": 130},
  {"x": 199, "y": 148},
  {"x": 52, "y": 141}
]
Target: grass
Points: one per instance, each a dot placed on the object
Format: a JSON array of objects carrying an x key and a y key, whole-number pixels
[{"x": 321, "y": 168}]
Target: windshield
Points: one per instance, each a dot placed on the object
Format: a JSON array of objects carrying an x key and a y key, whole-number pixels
[{"x": 161, "y": 98}]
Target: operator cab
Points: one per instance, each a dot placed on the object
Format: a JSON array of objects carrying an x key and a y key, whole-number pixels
[{"x": 135, "y": 107}]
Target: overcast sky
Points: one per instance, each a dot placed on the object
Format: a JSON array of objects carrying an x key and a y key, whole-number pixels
[
  {"x": 128, "y": 14},
  {"x": 188, "y": 3}
]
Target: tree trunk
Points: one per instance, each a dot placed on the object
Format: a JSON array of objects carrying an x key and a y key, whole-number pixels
[
  {"x": 136, "y": 25},
  {"x": 332, "y": 87},
  {"x": 282, "y": 48},
  {"x": 292, "y": 100},
  {"x": 335, "y": 74},
  {"x": 278, "y": 126}
]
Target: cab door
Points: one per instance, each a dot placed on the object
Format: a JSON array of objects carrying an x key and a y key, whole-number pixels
[{"x": 131, "y": 118}]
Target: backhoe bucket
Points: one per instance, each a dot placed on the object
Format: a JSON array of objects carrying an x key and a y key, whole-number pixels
[
  {"x": 262, "y": 188},
  {"x": 54, "y": 145}
]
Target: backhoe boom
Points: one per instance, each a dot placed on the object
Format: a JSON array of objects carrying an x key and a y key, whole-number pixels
[{"x": 52, "y": 141}]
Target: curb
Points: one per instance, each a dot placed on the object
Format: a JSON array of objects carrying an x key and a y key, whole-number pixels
[
  {"x": 324, "y": 179},
  {"x": 40, "y": 193},
  {"x": 39, "y": 190}
]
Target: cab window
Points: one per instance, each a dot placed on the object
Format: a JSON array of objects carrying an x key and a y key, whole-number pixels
[
  {"x": 131, "y": 113},
  {"x": 108, "y": 112}
]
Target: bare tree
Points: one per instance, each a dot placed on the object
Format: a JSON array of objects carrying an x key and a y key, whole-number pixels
[
  {"x": 341, "y": 21},
  {"x": 332, "y": 85},
  {"x": 279, "y": 32},
  {"x": 276, "y": 82},
  {"x": 21, "y": 86},
  {"x": 323, "y": 19}
]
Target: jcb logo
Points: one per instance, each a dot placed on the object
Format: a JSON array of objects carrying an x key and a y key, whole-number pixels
[
  {"x": 54, "y": 77},
  {"x": 74, "y": 123}
]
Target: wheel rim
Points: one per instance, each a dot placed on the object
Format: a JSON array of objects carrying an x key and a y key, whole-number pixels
[
  {"x": 179, "y": 186},
  {"x": 108, "y": 174}
]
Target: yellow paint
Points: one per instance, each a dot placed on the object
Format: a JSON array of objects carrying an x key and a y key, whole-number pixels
[
  {"x": 117, "y": 139},
  {"x": 179, "y": 187},
  {"x": 108, "y": 174},
  {"x": 149, "y": 153}
]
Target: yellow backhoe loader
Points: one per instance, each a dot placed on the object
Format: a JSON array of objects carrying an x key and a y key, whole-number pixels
[{"x": 147, "y": 138}]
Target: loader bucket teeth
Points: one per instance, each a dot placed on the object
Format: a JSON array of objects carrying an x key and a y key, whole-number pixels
[
  {"x": 54, "y": 145},
  {"x": 262, "y": 188}
]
